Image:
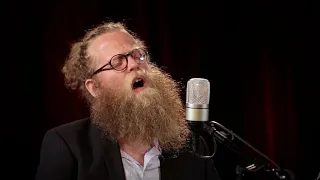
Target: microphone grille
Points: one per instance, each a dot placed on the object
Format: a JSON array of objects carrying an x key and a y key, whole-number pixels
[{"x": 198, "y": 91}]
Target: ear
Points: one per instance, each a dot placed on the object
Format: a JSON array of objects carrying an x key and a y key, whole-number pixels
[{"x": 89, "y": 83}]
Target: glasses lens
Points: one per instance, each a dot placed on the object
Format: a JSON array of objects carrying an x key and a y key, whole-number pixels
[
  {"x": 119, "y": 62},
  {"x": 140, "y": 55}
]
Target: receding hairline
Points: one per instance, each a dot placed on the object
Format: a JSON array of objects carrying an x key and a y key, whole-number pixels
[{"x": 93, "y": 56}]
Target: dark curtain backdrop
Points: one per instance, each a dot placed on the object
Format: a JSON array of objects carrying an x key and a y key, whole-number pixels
[{"x": 261, "y": 58}]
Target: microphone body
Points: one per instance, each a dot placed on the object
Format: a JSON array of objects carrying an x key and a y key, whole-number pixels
[{"x": 197, "y": 113}]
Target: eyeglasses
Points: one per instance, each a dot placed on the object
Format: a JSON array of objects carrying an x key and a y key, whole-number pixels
[{"x": 119, "y": 62}]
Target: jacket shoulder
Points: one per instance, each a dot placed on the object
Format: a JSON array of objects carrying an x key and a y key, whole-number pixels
[
  {"x": 76, "y": 125},
  {"x": 73, "y": 130}
]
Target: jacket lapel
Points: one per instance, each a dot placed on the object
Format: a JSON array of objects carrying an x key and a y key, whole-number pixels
[
  {"x": 170, "y": 168},
  {"x": 112, "y": 157}
]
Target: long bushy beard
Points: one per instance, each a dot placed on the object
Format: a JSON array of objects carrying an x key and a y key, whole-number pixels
[{"x": 154, "y": 113}]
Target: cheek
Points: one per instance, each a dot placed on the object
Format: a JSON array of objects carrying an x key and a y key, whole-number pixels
[
  {"x": 145, "y": 65},
  {"x": 112, "y": 80}
]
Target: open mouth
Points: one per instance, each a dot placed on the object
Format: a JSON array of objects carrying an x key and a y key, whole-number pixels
[{"x": 138, "y": 84}]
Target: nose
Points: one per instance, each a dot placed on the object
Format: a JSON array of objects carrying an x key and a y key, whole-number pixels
[{"x": 132, "y": 64}]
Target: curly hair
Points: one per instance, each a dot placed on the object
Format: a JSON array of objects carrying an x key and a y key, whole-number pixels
[{"x": 78, "y": 66}]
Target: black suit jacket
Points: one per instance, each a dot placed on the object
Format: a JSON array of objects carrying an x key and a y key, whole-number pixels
[{"x": 79, "y": 151}]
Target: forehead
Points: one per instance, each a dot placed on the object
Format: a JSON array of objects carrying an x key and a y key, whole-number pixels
[{"x": 111, "y": 43}]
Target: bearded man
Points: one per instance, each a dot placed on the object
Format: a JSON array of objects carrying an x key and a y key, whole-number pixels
[{"x": 136, "y": 129}]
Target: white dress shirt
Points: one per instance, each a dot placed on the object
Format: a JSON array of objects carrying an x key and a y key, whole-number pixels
[{"x": 149, "y": 171}]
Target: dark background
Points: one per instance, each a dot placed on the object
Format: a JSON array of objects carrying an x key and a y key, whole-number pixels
[{"x": 261, "y": 58}]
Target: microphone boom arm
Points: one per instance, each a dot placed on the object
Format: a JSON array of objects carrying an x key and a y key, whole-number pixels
[
  {"x": 227, "y": 138},
  {"x": 219, "y": 135}
]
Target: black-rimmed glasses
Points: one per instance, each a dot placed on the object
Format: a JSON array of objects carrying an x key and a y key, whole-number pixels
[{"x": 119, "y": 62}]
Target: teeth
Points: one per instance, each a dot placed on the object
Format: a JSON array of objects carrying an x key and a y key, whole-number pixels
[{"x": 137, "y": 80}]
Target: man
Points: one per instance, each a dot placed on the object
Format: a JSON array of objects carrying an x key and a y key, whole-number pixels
[{"x": 137, "y": 128}]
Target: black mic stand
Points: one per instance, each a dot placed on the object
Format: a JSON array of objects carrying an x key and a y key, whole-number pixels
[{"x": 247, "y": 163}]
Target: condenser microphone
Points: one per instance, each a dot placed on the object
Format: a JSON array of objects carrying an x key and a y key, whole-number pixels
[
  {"x": 204, "y": 134},
  {"x": 197, "y": 116}
]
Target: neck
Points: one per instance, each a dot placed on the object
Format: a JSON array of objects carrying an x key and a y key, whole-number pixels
[{"x": 136, "y": 150}]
